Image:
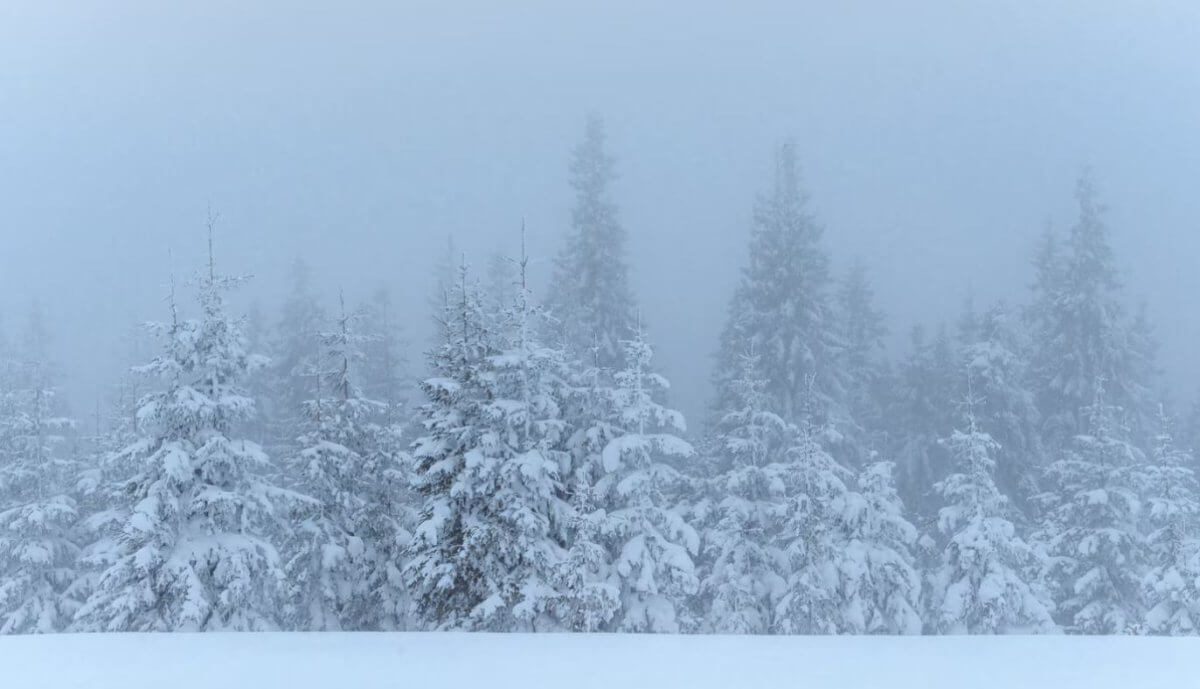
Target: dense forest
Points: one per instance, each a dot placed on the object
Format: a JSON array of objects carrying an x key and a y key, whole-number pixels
[{"x": 310, "y": 468}]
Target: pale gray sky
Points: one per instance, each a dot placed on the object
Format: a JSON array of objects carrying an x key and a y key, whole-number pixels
[{"x": 938, "y": 139}]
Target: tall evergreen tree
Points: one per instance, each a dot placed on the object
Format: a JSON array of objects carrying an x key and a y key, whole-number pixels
[
  {"x": 987, "y": 579},
  {"x": 591, "y": 596},
  {"x": 629, "y": 562},
  {"x": 845, "y": 552},
  {"x": 743, "y": 573},
  {"x": 1082, "y": 332},
  {"x": 192, "y": 553},
  {"x": 997, "y": 370},
  {"x": 592, "y": 300},
  {"x": 782, "y": 308},
  {"x": 37, "y": 512},
  {"x": 791, "y": 545},
  {"x": 344, "y": 554},
  {"x": 486, "y": 551},
  {"x": 1171, "y": 516},
  {"x": 651, "y": 545},
  {"x": 1091, "y": 526},
  {"x": 881, "y": 587}
]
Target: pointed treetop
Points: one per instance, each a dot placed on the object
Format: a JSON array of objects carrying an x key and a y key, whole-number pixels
[
  {"x": 787, "y": 171},
  {"x": 969, "y": 402},
  {"x": 592, "y": 168},
  {"x": 211, "y": 223},
  {"x": 172, "y": 300},
  {"x": 1086, "y": 193}
]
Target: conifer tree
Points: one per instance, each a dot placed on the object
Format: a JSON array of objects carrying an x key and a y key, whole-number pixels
[
  {"x": 793, "y": 546},
  {"x": 629, "y": 561},
  {"x": 344, "y": 555},
  {"x": 818, "y": 493},
  {"x": 783, "y": 309},
  {"x": 742, "y": 567},
  {"x": 1005, "y": 405},
  {"x": 881, "y": 587},
  {"x": 192, "y": 553},
  {"x": 987, "y": 579},
  {"x": 821, "y": 525},
  {"x": 591, "y": 594},
  {"x": 1082, "y": 332},
  {"x": 651, "y": 544},
  {"x": 846, "y": 547},
  {"x": 37, "y": 512},
  {"x": 1091, "y": 526},
  {"x": 592, "y": 300},
  {"x": 1171, "y": 514},
  {"x": 486, "y": 551}
]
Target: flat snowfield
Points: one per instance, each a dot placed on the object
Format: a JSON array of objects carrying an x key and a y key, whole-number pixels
[{"x": 501, "y": 661}]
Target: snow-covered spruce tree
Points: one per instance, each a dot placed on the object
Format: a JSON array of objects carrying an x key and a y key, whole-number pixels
[
  {"x": 344, "y": 555},
  {"x": 1171, "y": 517},
  {"x": 1005, "y": 408},
  {"x": 881, "y": 588},
  {"x": 589, "y": 592},
  {"x": 37, "y": 513},
  {"x": 486, "y": 550},
  {"x": 783, "y": 309},
  {"x": 819, "y": 500},
  {"x": 191, "y": 555},
  {"x": 592, "y": 301},
  {"x": 987, "y": 579},
  {"x": 591, "y": 595},
  {"x": 868, "y": 576},
  {"x": 1091, "y": 526},
  {"x": 1082, "y": 333},
  {"x": 741, "y": 568},
  {"x": 846, "y": 553},
  {"x": 651, "y": 546}
]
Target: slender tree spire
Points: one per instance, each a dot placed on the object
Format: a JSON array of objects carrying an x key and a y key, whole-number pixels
[
  {"x": 592, "y": 300},
  {"x": 211, "y": 224}
]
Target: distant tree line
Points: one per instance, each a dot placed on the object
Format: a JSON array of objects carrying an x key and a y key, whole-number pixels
[{"x": 1013, "y": 473}]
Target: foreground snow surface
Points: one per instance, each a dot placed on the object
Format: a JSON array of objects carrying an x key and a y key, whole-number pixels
[{"x": 490, "y": 661}]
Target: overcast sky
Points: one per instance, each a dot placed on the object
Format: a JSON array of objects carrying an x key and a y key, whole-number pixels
[{"x": 938, "y": 140}]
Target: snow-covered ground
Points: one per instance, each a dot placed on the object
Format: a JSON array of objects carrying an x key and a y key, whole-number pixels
[{"x": 486, "y": 661}]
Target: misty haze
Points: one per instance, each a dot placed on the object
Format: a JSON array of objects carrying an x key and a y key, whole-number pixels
[{"x": 745, "y": 325}]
